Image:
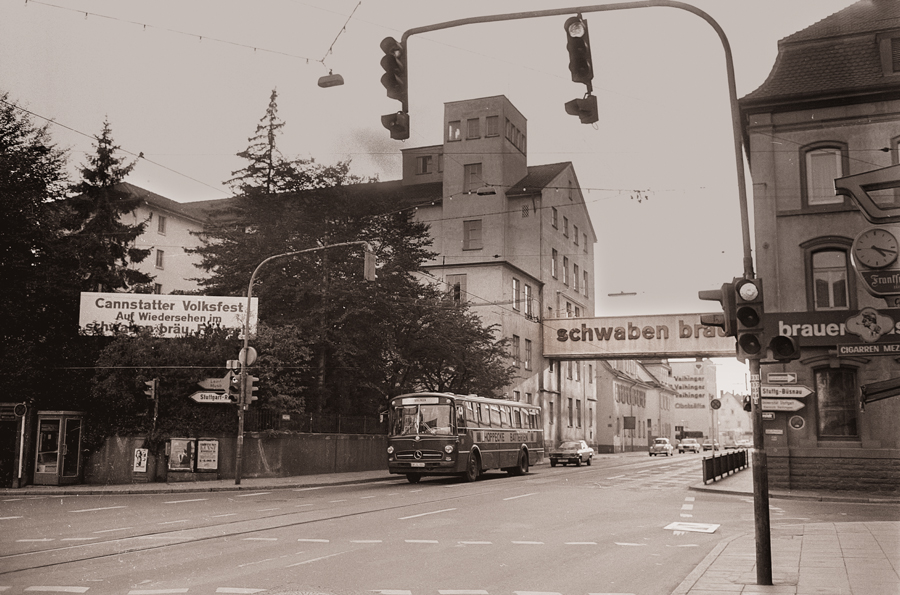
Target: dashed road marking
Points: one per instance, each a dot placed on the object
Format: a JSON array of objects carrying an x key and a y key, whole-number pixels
[
  {"x": 238, "y": 590},
  {"x": 58, "y": 589},
  {"x": 315, "y": 559},
  {"x": 183, "y": 501},
  {"x": 313, "y": 540},
  {"x": 251, "y": 495},
  {"x": 96, "y": 509},
  {"x": 415, "y": 516},
  {"x": 521, "y": 496}
]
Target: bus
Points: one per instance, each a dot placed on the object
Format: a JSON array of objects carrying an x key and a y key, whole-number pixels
[{"x": 447, "y": 434}]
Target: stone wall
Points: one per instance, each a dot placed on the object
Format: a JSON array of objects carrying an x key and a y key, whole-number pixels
[{"x": 874, "y": 470}]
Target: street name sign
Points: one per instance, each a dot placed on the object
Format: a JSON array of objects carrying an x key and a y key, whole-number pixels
[
  {"x": 209, "y": 397},
  {"x": 214, "y": 383},
  {"x": 781, "y": 405},
  {"x": 794, "y": 391},
  {"x": 781, "y": 378}
]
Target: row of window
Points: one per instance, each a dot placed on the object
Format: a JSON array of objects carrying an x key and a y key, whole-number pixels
[
  {"x": 500, "y": 416},
  {"x": 554, "y": 221},
  {"x": 515, "y": 347},
  {"x": 522, "y": 298},
  {"x": 578, "y": 276},
  {"x": 473, "y": 130}
]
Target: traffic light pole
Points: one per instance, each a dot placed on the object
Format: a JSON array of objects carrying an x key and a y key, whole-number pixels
[
  {"x": 245, "y": 397},
  {"x": 760, "y": 474}
]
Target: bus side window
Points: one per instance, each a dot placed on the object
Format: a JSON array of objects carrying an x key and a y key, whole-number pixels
[
  {"x": 495, "y": 416},
  {"x": 460, "y": 419},
  {"x": 517, "y": 418},
  {"x": 504, "y": 417}
]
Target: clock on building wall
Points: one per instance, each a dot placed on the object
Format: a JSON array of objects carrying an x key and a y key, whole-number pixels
[{"x": 875, "y": 248}]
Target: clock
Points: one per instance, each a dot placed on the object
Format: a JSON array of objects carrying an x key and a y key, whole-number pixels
[{"x": 875, "y": 248}]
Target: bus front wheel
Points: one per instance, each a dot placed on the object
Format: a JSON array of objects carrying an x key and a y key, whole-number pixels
[{"x": 473, "y": 467}]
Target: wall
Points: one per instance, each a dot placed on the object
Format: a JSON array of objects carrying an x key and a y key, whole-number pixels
[
  {"x": 263, "y": 456},
  {"x": 872, "y": 470}
]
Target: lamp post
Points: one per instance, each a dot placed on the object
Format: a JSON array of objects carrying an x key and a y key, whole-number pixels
[{"x": 242, "y": 404}]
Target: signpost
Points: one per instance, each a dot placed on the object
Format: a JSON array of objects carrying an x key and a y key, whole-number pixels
[
  {"x": 795, "y": 391},
  {"x": 782, "y": 405},
  {"x": 209, "y": 397},
  {"x": 781, "y": 378},
  {"x": 214, "y": 383}
]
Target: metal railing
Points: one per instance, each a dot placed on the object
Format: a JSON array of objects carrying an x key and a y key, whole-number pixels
[
  {"x": 306, "y": 423},
  {"x": 719, "y": 466}
]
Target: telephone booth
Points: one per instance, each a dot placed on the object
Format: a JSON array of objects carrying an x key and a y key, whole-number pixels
[{"x": 58, "y": 458}]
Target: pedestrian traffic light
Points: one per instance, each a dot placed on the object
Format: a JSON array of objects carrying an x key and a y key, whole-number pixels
[
  {"x": 585, "y": 109},
  {"x": 233, "y": 386},
  {"x": 152, "y": 385},
  {"x": 748, "y": 297},
  {"x": 250, "y": 388},
  {"x": 395, "y": 83},
  {"x": 579, "y": 45},
  {"x": 725, "y": 321},
  {"x": 745, "y": 401},
  {"x": 784, "y": 348}
]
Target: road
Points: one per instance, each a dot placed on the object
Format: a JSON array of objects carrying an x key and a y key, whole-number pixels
[{"x": 566, "y": 530}]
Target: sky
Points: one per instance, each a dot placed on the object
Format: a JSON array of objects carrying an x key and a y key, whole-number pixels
[{"x": 185, "y": 82}]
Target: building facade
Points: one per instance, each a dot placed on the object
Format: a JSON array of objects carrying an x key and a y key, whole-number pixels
[{"x": 829, "y": 108}]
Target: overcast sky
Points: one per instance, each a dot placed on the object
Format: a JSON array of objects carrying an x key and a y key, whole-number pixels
[{"x": 185, "y": 82}]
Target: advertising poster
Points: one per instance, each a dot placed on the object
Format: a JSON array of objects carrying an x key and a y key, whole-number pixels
[
  {"x": 181, "y": 454},
  {"x": 140, "y": 460},
  {"x": 207, "y": 455}
]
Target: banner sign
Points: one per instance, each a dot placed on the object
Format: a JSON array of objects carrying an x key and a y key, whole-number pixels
[
  {"x": 634, "y": 337},
  {"x": 166, "y": 316},
  {"x": 865, "y": 332}
]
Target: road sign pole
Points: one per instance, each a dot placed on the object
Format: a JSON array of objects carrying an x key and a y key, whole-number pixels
[{"x": 760, "y": 484}]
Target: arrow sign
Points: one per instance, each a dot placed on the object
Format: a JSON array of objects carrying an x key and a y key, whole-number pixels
[
  {"x": 214, "y": 383},
  {"x": 795, "y": 391},
  {"x": 781, "y": 377},
  {"x": 781, "y": 405},
  {"x": 209, "y": 397}
]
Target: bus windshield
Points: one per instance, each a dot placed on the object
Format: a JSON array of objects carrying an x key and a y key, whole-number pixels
[{"x": 409, "y": 420}]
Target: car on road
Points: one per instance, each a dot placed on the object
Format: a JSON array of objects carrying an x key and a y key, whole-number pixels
[
  {"x": 689, "y": 445},
  {"x": 708, "y": 445},
  {"x": 661, "y": 446},
  {"x": 573, "y": 451}
]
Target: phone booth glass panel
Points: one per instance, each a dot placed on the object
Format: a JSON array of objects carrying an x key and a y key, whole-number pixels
[{"x": 58, "y": 457}]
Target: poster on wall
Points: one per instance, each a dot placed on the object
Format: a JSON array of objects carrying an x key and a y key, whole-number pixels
[
  {"x": 140, "y": 460},
  {"x": 207, "y": 455},
  {"x": 181, "y": 454}
]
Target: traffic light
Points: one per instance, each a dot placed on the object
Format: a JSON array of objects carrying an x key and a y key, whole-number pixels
[
  {"x": 579, "y": 45},
  {"x": 745, "y": 401},
  {"x": 152, "y": 385},
  {"x": 784, "y": 349},
  {"x": 233, "y": 386},
  {"x": 585, "y": 109},
  {"x": 250, "y": 388},
  {"x": 395, "y": 83},
  {"x": 725, "y": 321},
  {"x": 748, "y": 295}
]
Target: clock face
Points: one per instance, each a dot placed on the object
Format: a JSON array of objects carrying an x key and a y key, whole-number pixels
[{"x": 876, "y": 248}]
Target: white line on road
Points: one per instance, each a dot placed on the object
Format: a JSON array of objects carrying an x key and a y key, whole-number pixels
[
  {"x": 249, "y": 495},
  {"x": 116, "y": 529},
  {"x": 313, "y": 540},
  {"x": 392, "y": 592},
  {"x": 528, "y": 542},
  {"x": 335, "y": 501},
  {"x": 522, "y": 496},
  {"x": 29, "y": 540},
  {"x": 95, "y": 509},
  {"x": 238, "y": 590},
  {"x": 581, "y": 543},
  {"x": 78, "y": 538},
  {"x": 462, "y": 592},
  {"x": 421, "y": 540},
  {"x": 260, "y": 539},
  {"x": 475, "y": 543},
  {"x": 630, "y": 544},
  {"x": 268, "y": 509},
  {"x": 183, "y": 501},
  {"x": 686, "y": 516},
  {"x": 535, "y": 593},
  {"x": 415, "y": 516},
  {"x": 58, "y": 589},
  {"x": 316, "y": 559},
  {"x": 156, "y": 591},
  {"x": 9, "y": 518},
  {"x": 365, "y": 541},
  {"x": 308, "y": 489},
  {"x": 218, "y": 516},
  {"x": 689, "y": 499},
  {"x": 616, "y": 477},
  {"x": 173, "y": 522},
  {"x": 687, "y": 507}
]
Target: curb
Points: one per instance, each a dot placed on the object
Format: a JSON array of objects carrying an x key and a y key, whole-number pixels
[{"x": 690, "y": 580}]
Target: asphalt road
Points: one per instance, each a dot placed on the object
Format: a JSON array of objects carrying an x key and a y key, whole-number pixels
[{"x": 565, "y": 530}]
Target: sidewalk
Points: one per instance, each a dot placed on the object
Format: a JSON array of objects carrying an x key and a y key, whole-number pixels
[{"x": 807, "y": 559}]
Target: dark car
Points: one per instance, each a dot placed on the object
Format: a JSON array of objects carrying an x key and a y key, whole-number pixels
[{"x": 575, "y": 452}]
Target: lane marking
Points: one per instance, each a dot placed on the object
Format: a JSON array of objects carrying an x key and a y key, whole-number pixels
[
  {"x": 415, "y": 516},
  {"x": 689, "y": 499},
  {"x": 238, "y": 590},
  {"x": 616, "y": 477},
  {"x": 111, "y": 530},
  {"x": 522, "y": 496},
  {"x": 528, "y": 542},
  {"x": 366, "y": 541},
  {"x": 308, "y": 489},
  {"x": 268, "y": 509},
  {"x": 686, "y": 516},
  {"x": 335, "y": 501},
  {"x": 260, "y": 539},
  {"x": 78, "y": 538},
  {"x": 250, "y": 495},
  {"x": 218, "y": 516},
  {"x": 58, "y": 589},
  {"x": 392, "y": 592},
  {"x": 183, "y": 501},
  {"x": 9, "y": 518},
  {"x": 155, "y": 591},
  {"x": 313, "y": 540},
  {"x": 536, "y": 593},
  {"x": 462, "y": 592},
  {"x": 687, "y": 507},
  {"x": 630, "y": 544},
  {"x": 95, "y": 509},
  {"x": 421, "y": 540},
  {"x": 29, "y": 540},
  {"x": 316, "y": 559},
  {"x": 173, "y": 522},
  {"x": 475, "y": 543},
  {"x": 581, "y": 543}
]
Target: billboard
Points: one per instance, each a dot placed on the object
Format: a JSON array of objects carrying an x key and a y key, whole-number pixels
[
  {"x": 166, "y": 316},
  {"x": 634, "y": 337}
]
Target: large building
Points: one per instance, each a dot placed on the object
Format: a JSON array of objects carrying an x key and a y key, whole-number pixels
[{"x": 829, "y": 108}]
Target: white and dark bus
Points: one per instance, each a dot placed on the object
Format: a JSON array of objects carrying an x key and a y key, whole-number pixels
[{"x": 449, "y": 434}]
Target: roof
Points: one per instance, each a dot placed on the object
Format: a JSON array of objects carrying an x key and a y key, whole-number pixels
[
  {"x": 835, "y": 58},
  {"x": 160, "y": 202},
  {"x": 537, "y": 178}
]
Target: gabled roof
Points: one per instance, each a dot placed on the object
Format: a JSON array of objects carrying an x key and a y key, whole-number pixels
[{"x": 837, "y": 58}]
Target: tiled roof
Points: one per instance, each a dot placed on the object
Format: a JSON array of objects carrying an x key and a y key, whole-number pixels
[{"x": 835, "y": 57}]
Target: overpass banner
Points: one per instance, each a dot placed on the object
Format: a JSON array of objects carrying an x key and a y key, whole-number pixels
[
  {"x": 166, "y": 316},
  {"x": 634, "y": 337}
]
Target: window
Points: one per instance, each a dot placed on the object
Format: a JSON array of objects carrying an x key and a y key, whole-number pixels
[
  {"x": 527, "y": 354},
  {"x": 575, "y": 276},
  {"x": 492, "y": 126},
  {"x": 161, "y": 225},
  {"x": 529, "y": 308},
  {"x": 553, "y": 257},
  {"x": 584, "y": 237},
  {"x": 517, "y": 396},
  {"x": 453, "y": 131},
  {"x": 836, "y": 397},
  {"x": 829, "y": 270},
  {"x": 577, "y": 366},
  {"x": 157, "y": 288},
  {"x": 551, "y": 413},
  {"x": 473, "y": 128},
  {"x": 472, "y": 235},
  {"x": 590, "y": 373},
  {"x": 424, "y": 164},
  {"x": 575, "y": 234},
  {"x": 584, "y": 286},
  {"x": 577, "y": 312},
  {"x": 515, "y": 351},
  {"x": 554, "y": 217},
  {"x": 568, "y": 309},
  {"x": 160, "y": 259},
  {"x": 566, "y": 226},
  {"x": 517, "y": 295},
  {"x": 565, "y": 270},
  {"x": 578, "y": 413},
  {"x": 820, "y": 165},
  {"x": 473, "y": 180},
  {"x": 457, "y": 287},
  {"x": 528, "y": 398},
  {"x": 571, "y": 413}
]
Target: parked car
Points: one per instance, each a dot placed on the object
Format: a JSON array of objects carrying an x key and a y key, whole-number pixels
[
  {"x": 575, "y": 452},
  {"x": 708, "y": 445},
  {"x": 661, "y": 446},
  {"x": 689, "y": 445}
]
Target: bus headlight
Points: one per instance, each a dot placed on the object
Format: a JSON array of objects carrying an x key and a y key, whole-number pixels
[
  {"x": 448, "y": 449},
  {"x": 390, "y": 450}
]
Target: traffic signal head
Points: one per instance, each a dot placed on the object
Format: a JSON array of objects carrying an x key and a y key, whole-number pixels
[
  {"x": 150, "y": 391},
  {"x": 579, "y": 45},
  {"x": 746, "y": 403},
  {"x": 398, "y": 124},
  {"x": 250, "y": 387},
  {"x": 233, "y": 386},
  {"x": 725, "y": 321},
  {"x": 748, "y": 297},
  {"x": 585, "y": 109},
  {"x": 784, "y": 348},
  {"x": 394, "y": 65}
]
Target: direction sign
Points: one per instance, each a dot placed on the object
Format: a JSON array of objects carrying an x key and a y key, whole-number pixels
[
  {"x": 795, "y": 391},
  {"x": 781, "y": 405},
  {"x": 781, "y": 378},
  {"x": 202, "y": 396},
  {"x": 215, "y": 383}
]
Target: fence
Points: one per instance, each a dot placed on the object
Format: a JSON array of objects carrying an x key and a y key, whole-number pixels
[
  {"x": 311, "y": 423},
  {"x": 715, "y": 467}
]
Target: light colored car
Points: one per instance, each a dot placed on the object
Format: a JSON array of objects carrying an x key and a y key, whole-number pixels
[
  {"x": 574, "y": 451},
  {"x": 708, "y": 445},
  {"x": 689, "y": 445},
  {"x": 661, "y": 446}
]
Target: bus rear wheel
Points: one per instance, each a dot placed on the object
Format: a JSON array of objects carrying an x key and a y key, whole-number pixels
[
  {"x": 413, "y": 477},
  {"x": 521, "y": 467},
  {"x": 473, "y": 467}
]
